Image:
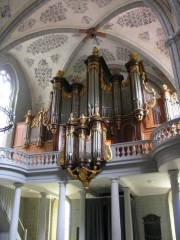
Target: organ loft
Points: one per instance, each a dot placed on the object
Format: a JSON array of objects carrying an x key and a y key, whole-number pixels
[{"x": 85, "y": 117}]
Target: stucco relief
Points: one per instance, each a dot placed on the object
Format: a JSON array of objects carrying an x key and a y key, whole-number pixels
[
  {"x": 137, "y": 17},
  {"x": 26, "y": 25},
  {"x": 54, "y": 13},
  {"x": 47, "y": 43},
  {"x": 43, "y": 73}
]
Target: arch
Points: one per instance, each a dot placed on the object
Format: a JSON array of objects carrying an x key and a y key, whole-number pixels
[
  {"x": 23, "y": 15},
  {"x": 160, "y": 13},
  {"x": 171, "y": 36},
  {"x": 152, "y": 4},
  {"x": 175, "y": 4}
]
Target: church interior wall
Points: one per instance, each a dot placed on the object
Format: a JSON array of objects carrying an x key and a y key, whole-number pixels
[{"x": 156, "y": 205}]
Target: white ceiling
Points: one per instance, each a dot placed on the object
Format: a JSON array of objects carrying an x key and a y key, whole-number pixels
[
  {"x": 140, "y": 185},
  {"x": 54, "y": 35},
  {"x": 45, "y": 36}
]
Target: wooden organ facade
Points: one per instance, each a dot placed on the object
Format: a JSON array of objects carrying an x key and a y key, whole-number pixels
[{"x": 130, "y": 109}]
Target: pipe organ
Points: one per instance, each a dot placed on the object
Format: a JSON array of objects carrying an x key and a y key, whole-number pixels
[{"x": 82, "y": 116}]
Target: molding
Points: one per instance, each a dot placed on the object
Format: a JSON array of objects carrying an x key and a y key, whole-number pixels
[
  {"x": 173, "y": 38},
  {"x": 23, "y": 15},
  {"x": 167, "y": 154}
]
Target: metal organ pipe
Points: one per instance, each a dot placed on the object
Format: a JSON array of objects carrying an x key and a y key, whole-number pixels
[
  {"x": 166, "y": 96},
  {"x": 135, "y": 83},
  {"x": 83, "y": 132},
  {"x": 75, "y": 102},
  {"x": 94, "y": 81},
  {"x": 56, "y": 100},
  {"x": 117, "y": 93},
  {"x": 70, "y": 136}
]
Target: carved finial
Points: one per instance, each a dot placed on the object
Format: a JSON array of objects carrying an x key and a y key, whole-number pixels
[
  {"x": 134, "y": 56},
  {"x": 28, "y": 117},
  {"x": 29, "y": 112},
  {"x": 60, "y": 73},
  {"x": 97, "y": 111},
  {"x": 71, "y": 118},
  {"x": 82, "y": 120},
  {"x": 164, "y": 87},
  {"x": 174, "y": 97},
  {"x": 95, "y": 51}
]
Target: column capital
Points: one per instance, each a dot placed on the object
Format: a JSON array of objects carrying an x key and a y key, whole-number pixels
[
  {"x": 126, "y": 189},
  {"x": 43, "y": 194},
  {"x": 18, "y": 185},
  {"x": 114, "y": 179},
  {"x": 62, "y": 183},
  {"x": 174, "y": 172},
  {"x": 82, "y": 193}
]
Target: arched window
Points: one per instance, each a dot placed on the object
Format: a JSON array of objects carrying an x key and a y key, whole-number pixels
[{"x": 6, "y": 99}]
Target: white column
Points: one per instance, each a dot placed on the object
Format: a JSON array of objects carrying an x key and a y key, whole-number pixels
[
  {"x": 115, "y": 210},
  {"x": 42, "y": 217},
  {"x": 49, "y": 218},
  {"x": 61, "y": 211},
  {"x": 82, "y": 215},
  {"x": 128, "y": 214},
  {"x": 52, "y": 234},
  {"x": 15, "y": 212},
  {"x": 175, "y": 200}
]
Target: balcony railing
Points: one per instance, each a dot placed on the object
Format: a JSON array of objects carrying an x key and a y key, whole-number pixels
[
  {"x": 166, "y": 131},
  {"x": 49, "y": 159},
  {"x": 28, "y": 161},
  {"x": 131, "y": 150},
  {"x": 121, "y": 151}
]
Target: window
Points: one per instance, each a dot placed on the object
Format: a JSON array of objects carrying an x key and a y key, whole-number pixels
[{"x": 6, "y": 93}]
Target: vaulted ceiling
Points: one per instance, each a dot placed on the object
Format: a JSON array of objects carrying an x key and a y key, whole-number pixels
[{"x": 47, "y": 35}]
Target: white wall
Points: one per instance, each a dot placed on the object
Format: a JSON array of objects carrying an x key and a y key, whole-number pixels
[
  {"x": 74, "y": 218},
  {"x": 3, "y": 236}
]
